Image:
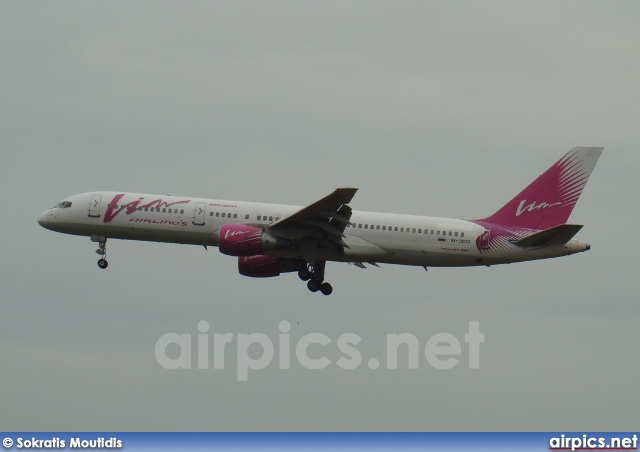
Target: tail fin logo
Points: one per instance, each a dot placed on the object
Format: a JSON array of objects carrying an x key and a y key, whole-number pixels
[
  {"x": 559, "y": 189},
  {"x": 531, "y": 207}
]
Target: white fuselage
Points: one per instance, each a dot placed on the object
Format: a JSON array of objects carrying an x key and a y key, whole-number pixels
[{"x": 371, "y": 237}]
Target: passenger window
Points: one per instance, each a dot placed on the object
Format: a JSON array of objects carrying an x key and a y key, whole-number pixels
[
  {"x": 235, "y": 215},
  {"x": 456, "y": 234},
  {"x": 432, "y": 231},
  {"x": 437, "y": 232},
  {"x": 366, "y": 226},
  {"x": 449, "y": 233},
  {"x": 401, "y": 229},
  {"x": 210, "y": 213},
  {"x": 181, "y": 210},
  {"x": 217, "y": 214},
  {"x": 396, "y": 228},
  {"x": 378, "y": 227},
  {"x": 270, "y": 218},
  {"x": 414, "y": 229},
  {"x": 419, "y": 231},
  {"x": 164, "y": 210},
  {"x": 146, "y": 209},
  {"x": 246, "y": 217},
  {"x": 462, "y": 234}
]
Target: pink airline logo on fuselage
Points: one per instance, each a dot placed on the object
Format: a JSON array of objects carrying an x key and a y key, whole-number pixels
[
  {"x": 531, "y": 207},
  {"x": 133, "y": 206}
]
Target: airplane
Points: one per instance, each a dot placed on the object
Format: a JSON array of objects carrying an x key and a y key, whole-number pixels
[{"x": 271, "y": 239}]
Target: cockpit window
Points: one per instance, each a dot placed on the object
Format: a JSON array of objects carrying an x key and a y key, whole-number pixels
[{"x": 63, "y": 205}]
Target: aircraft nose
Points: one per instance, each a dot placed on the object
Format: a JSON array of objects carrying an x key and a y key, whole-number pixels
[{"x": 46, "y": 219}]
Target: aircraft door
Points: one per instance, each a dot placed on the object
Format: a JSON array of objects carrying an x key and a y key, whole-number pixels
[
  {"x": 198, "y": 214},
  {"x": 94, "y": 206}
]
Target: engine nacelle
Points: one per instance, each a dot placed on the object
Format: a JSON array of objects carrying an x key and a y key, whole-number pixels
[
  {"x": 245, "y": 240},
  {"x": 266, "y": 266}
]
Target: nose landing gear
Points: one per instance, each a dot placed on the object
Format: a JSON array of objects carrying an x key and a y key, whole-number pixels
[{"x": 101, "y": 251}]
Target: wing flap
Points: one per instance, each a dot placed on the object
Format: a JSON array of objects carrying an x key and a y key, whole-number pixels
[{"x": 327, "y": 227}]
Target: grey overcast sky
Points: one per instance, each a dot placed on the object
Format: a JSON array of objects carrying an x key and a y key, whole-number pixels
[{"x": 433, "y": 108}]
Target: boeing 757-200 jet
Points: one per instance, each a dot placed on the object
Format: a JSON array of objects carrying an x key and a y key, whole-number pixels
[{"x": 270, "y": 239}]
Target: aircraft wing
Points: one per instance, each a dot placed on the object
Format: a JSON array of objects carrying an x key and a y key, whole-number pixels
[{"x": 324, "y": 220}]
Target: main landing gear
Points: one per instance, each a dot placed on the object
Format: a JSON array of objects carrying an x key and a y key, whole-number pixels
[
  {"x": 314, "y": 275},
  {"x": 101, "y": 251}
]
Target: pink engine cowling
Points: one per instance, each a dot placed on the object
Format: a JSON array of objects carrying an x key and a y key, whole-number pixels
[
  {"x": 265, "y": 266},
  {"x": 259, "y": 266},
  {"x": 245, "y": 240}
]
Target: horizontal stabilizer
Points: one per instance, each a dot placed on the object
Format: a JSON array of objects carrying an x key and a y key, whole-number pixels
[{"x": 558, "y": 235}]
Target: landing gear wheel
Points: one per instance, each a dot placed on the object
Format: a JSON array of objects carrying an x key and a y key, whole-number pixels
[
  {"x": 313, "y": 286},
  {"x": 304, "y": 274},
  {"x": 326, "y": 288},
  {"x": 101, "y": 251}
]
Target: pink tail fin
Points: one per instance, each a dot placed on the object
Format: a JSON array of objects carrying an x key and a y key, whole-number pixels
[{"x": 549, "y": 200}]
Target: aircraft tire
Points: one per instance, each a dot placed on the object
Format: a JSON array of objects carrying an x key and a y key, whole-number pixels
[
  {"x": 326, "y": 288},
  {"x": 313, "y": 286}
]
